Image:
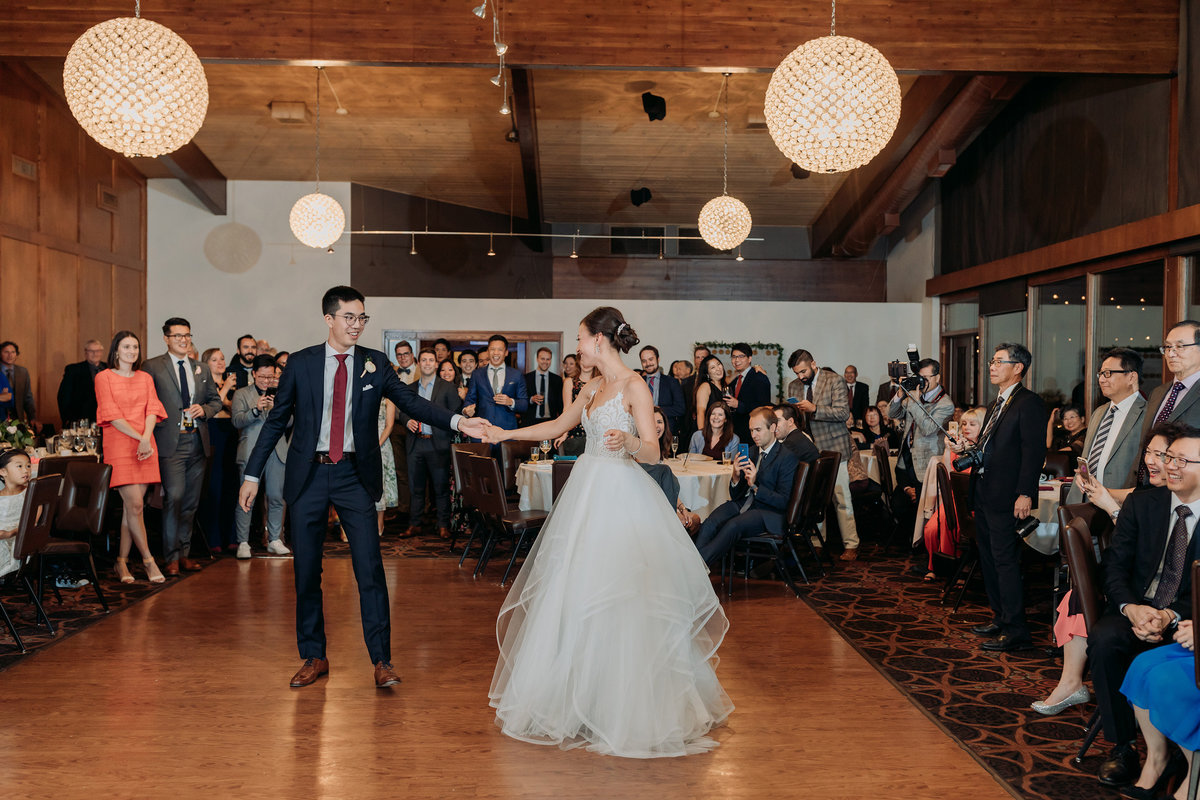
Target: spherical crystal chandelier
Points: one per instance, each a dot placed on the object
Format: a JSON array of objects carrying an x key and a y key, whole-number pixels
[
  {"x": 833, "y": 103},
  {"x": 317, "y": 220},
  {"x": 724, "y": 221},
  {"x": 135, "y": 86}
]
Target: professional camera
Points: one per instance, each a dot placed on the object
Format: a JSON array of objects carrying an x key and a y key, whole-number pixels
[
  {"x": 898, "y": 371},
  {"x": 971, "y": 459}
]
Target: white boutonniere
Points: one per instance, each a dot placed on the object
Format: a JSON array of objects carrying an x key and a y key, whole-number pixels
[
  {"x": 197, "y": 370},
  {"x": 368, "y": 386},
  {"x": 368, "y": 367}
]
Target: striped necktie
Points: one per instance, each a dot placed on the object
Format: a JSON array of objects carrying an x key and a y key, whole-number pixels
[{"x": 1098, "y": 443}]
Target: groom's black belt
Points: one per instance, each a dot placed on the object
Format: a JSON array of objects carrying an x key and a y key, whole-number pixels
[{"x": 323, "y": 457}]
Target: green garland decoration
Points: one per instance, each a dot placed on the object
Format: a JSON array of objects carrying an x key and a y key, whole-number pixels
[{"x": 766, "y": 348}]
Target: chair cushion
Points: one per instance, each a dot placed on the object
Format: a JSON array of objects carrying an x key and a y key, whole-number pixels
[
  {"x": 65, "y": 547},
  {"x": 523, "y": 520}
]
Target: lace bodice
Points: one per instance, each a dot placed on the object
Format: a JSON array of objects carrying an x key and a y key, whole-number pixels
[{"x": 604, "y": 417}]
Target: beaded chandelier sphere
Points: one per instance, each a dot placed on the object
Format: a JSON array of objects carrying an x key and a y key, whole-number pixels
[
  {"x": 833, "y": 104},
  {"x": 724, "y": 222},
  {"x": 136, "y": 87},
  {"x": 317, "y": 220}
]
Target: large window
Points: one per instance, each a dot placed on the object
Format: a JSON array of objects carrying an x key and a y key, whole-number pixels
[
  {"x": 998, "y": 329},
  {"x": 1059, "y": 326},
  {"x": 1129, "y": 313}
]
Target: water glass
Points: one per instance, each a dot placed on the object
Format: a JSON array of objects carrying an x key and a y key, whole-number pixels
[{"x": 534, "y": 454}]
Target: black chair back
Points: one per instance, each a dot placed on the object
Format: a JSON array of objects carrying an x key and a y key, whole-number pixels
[
  {"x": 459, "y": 454},
  {"x": 558, "y": 477},
  {"x": 1097, "y": 520},
  {"x": 84, "y": 497},
  {"x": 57, "y": 465},
  {"x": 489, "y": 486},
  {"x": 37, "y": 515},
  {"x": 512, "y": 454},
  {"x": 825, "y": 477},
  {"x": 1059, "y": 464},
  {"x": 799, "y": 499},
  {"x": 960, "y": 491},
  {"x": 883, "y": 460},
  {"x": 1085, "y": 572},
  {"x": 946, "y": 495}
]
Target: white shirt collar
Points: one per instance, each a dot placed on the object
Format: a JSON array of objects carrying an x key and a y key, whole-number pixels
[
  {"x": 1124, "y": 405},
  {"x": 1194, "y": 506},
  {"x": 1007, "y": 393},
  {"x": 331, "y": 353},
  {"x": 764, "y": 450}
]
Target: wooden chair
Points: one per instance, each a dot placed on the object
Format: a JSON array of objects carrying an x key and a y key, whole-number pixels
[
  {"x": 465, "y": 488},
  {"x": 1059, "y": 464},
  {"x": 774, "y": 545},
  {"x": 960, "y": 493},
  {"x": 461, "y": 511},
  {"x": 83, "y": 500},
  {"x": 1080, "y": 552},
  {"x": 512, "y": 454},
  {"x": 558, "y": 477},
  {"x": 57, "y": 465},
  {"x": 33, "y": 532},
  {"x": 502, "y": 520}
]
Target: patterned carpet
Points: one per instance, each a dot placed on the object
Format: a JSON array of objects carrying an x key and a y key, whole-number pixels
[{"x": 896, "y": 620}]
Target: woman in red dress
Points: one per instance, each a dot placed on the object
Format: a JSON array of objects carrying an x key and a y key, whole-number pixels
[{"x": 127, "y": 407}]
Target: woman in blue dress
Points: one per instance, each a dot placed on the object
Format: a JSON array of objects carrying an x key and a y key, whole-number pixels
[{"x": 1161, "y": 686}]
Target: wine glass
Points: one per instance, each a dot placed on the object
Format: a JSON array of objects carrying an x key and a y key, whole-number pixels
[
  {"x": 67, "y": 440},
  {"x": 674, "y": 448},
  {"x": 544, "y": 447},
  {"x": 90, "y": 442},
  {"x": 79, "y": 444}
]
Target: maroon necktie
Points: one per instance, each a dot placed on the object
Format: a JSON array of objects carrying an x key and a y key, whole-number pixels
[
  {"x": 337, "y": 416},
  {"x": 1169, "y": 404},
  {"x": 737, "y": 386}
]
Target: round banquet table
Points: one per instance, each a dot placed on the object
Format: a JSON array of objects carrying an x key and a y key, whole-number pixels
[{"x": 703, "y": 485}]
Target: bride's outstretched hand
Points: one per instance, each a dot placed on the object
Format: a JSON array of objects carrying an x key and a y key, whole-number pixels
[
  {"x": 475, "y": 427},
  {"x": 495, "y": 435}
]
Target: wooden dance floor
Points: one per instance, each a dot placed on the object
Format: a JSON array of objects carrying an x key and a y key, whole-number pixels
[{"x": 185, "y": 695}]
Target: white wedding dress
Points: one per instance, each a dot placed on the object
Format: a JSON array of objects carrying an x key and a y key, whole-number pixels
[{"x": 608, "y": 638}]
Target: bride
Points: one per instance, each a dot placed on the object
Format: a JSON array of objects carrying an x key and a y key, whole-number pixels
[{"x": 609, "y": 635}]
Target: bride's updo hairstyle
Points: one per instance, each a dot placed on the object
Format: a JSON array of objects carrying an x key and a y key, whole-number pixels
[{"x": 608, "y": 321}]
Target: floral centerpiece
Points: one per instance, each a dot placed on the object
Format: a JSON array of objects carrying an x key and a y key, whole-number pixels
[{"x": 16, "y": 434}]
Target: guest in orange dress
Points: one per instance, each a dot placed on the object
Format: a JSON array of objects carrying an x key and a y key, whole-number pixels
[{"x": 127, "y": 407}]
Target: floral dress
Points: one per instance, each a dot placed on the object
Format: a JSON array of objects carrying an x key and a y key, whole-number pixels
[{"x": 391, "y": 494}]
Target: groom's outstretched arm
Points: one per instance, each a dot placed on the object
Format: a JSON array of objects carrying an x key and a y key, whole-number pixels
[{"x": 411, "y": 405}]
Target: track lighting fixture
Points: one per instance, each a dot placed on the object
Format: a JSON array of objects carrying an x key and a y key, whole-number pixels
[
  {"x": 480, "y": 10},
  {"x": 491, "y": 249},
  {"x": 501, "y": 48},
  {"x": 412, "y": 250},
  {"x": 504, "y": 109}
]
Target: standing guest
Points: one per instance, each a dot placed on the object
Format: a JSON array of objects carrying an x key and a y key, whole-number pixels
[
  {"x": 748, "y": 389},
  {"x": 77, "y": 391},
  {"x": 391, "y": 489},
  {"x": 281, "y": 358},
  {"x": 263, "y": 347},
  {"x": 8, "y": 406},
  {"x": 924, "y": 420},
  {"x": 710, "y": 388},
  {"x": 1069, "y": 436},
  {"x": 18, "y": 381},
  {"x": 1112, "y": 444},
  {"x": 449, "y": 372},
  {"x": 545, "y": 390},
  {"x": 858, "y": 392},
  {"x": 405, "y": 363},
  {"x": 788, "y": 433},
  {"x": 349, "y": 382},
  {"x": 664, "y": 389},
  {"x": 497, "y": 393},
  {"x": 406, "y": 370},
  {"x": 886, "y": 392},
  {"x": 573, "y": 442},
  {"x": 716, "y": 437},
  {"x": 217, "y": 516},
  {"x": 127, "y": 409},
  {"x": 243, "y": 365},
  {"x": 429, "y": 448},
  {"x": 699, "y": 353},
  {"x": 15, "y": 474},
  {"x": 1147, "y": 581},
  {"x": 466, "y": 363},
  {"x": 251, "y": 406},
  {"x": 570, "y": 368},
  {"x": 685, "y": 373},
  {"x": 1178, "y": 401},
  {"x": 681, "y": 370},
  {"x": 1013, "y": 447},
  {"x": 764, "y": 479},
  {"x": 188, "y": 392},
  {"x": 441, "y": 349}
]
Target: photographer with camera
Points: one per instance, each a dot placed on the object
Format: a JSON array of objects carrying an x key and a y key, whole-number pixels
[
  {"x": 251, "y": 405},
  {"x": 1005, "y": 467},
  {"x": 925, "y": 408}
]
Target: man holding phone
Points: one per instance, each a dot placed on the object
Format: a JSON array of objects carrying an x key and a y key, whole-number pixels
[
  {"x": 249, "y": 409},
  {"x": 760, "y": 489},
  {"x": 1111, "y": 449}
]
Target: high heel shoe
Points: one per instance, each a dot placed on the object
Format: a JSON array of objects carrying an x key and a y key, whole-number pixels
[
  {"x": 123, "y": 571},
  {"x": 1176, "y": 765},
  {"x": 1080, "y": 695},
  {"x": 152, "y": 572}
]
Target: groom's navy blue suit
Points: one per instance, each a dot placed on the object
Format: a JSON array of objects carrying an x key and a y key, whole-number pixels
[{"x": 352, "y": 485}]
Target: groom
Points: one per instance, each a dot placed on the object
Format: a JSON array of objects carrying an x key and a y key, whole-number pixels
[{"x": 330, "y": 394}]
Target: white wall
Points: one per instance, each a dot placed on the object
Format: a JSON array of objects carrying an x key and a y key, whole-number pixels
[
  {"x": 909, "y": 264},
  {"x": 279, "y": 301}
]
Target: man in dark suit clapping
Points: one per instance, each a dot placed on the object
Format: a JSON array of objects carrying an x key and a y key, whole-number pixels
[
  {"x": 1005, "y": 490},
  {"x": 77, "y": 392},
  {"x": 545, "y": 390},
  {"x": 428, "y": 448},
  {"x": 331, "y": 394}
]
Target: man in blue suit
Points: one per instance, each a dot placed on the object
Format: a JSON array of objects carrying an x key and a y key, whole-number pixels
[
  {"x": 663, "y": 388},
  {"x": 330, "y": 393},
  {"x": 761, "y": 488},
  {"x": 497, "y": 393}
]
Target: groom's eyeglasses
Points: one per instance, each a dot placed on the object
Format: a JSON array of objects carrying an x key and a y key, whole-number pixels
[{"x": 361, "y": 319}]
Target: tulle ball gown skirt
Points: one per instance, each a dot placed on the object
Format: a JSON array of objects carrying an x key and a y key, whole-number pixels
[{"x": 608, "y": 637}]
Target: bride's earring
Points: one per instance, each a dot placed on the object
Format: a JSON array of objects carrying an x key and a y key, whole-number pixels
[{"x": 597, "y": 347}]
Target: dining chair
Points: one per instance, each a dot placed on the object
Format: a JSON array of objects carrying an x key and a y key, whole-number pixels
[
  {"x": 960, "y": 493},
  {"x": 558, "y": 477},
  {"x": 1059, "y": 464},
  {"x": 513, "y": 453},
  {"x": 464, "y": 483},
  {"x": 887, "y": 486},
  {"x": 463, "y": 513},
  {"x": 774, "y": 545},
  {"x": 819, "y": 505},
  {"x": 33, "y": 532},
  {"x": 57, "y": 465},
  {"x": 1080, "y": 552},
  {"x": 503, "y": 520}
]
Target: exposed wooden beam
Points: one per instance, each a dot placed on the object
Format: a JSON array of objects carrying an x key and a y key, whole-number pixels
[
  {"x": 524, "y": 111},
  {"x": 1072, "y": 36},
  {"x": 199, "y": 175}
]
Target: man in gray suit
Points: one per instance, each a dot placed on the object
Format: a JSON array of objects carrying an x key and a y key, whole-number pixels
[
  {"x": 190, "y": 397},
  {"x": 250, "y": 407},
  {"x": 428, "y": 447},
  {"x": 1113, "y": 445},
  {"x": 1179, "y": 400}
]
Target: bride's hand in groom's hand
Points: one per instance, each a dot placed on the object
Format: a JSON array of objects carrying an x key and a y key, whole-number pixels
[{"x": 476, "y": 428}]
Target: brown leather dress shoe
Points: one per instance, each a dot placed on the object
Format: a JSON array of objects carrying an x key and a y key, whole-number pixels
[
  {"x": 188, "y": 565},
  {"x": 411, "y": 531},
  {"x": 849, "y": 555},
  {"x": 171, "y": 570},
  {"x": 313, "y": 668},
  {"x": 444, "y": 533},
  {"x": 385, "y": 675}
]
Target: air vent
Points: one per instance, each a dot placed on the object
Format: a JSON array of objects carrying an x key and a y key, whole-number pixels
[
  {"x": 289, "y": 112},
  {"x": 647, "y": 246},
  {"x": 24, "y": 168},
  {"x": 106, "y": 198}
]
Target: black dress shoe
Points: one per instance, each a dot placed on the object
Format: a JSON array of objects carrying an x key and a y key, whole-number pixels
[
  {"x": 1121, "y": 768},
  {"x": 1006, "y": 643},
  {"x": 988, "y": 629}
]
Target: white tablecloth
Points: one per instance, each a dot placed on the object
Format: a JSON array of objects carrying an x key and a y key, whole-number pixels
[
  {"x": 1045, "y": 538},
  {"x": 872, "y": 465},
  {"x": 703, "y": 486}
]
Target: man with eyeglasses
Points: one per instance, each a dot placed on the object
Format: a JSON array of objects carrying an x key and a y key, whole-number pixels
[
  {"x": 1179, "y": 400},
  {"x": 748, "y": 389},
  {"x": 331, "y": 393},
  {"x": 189, "y": 395},
  {"x": 1114, "y": 431},
  {"x": 1005, "y": 490},
  {"x": 1147, "y": 581}
]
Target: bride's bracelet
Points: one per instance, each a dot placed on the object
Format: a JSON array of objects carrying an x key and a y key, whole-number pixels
[{"x": 635, "y": 452}]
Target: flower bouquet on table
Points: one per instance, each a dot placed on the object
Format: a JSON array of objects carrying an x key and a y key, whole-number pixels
[{"x": 15, "y": 434}]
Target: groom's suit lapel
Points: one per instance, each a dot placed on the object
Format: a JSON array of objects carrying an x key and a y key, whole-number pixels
[{"x": 359, "y": 368}]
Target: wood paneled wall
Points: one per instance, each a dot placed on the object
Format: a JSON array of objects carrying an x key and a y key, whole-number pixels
[{"x": 72, "y": 265}]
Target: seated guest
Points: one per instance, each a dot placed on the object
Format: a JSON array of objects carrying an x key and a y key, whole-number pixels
[
  {"x": 717, "y": 436},
  {"x": 941, "y": 534},
  {"x": 251, "y": 405},
  {"x": 873, "y": 427},
  {"x": 1069, "y": 435},
  {"x": 428, "y": 448},
  {"x": 1149, "y": 591},
  {"x": 760, "y": 489},
  {"x": 497, "y": 392},
  {"x": 664, "y": 389},
  {"x": 1161, "y": 686},
  {"x": 748, "y": 389},
  {"x": 710, "y": 388},
  {"x": 15, "y": 473},
  {"x": 788, "y": 433},
  {"x": 666, "y": 444},
  {"x": 77, "y": 391},
  {"x": 1070, "y": 631},
  {"x": 545, "y": 391}
]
